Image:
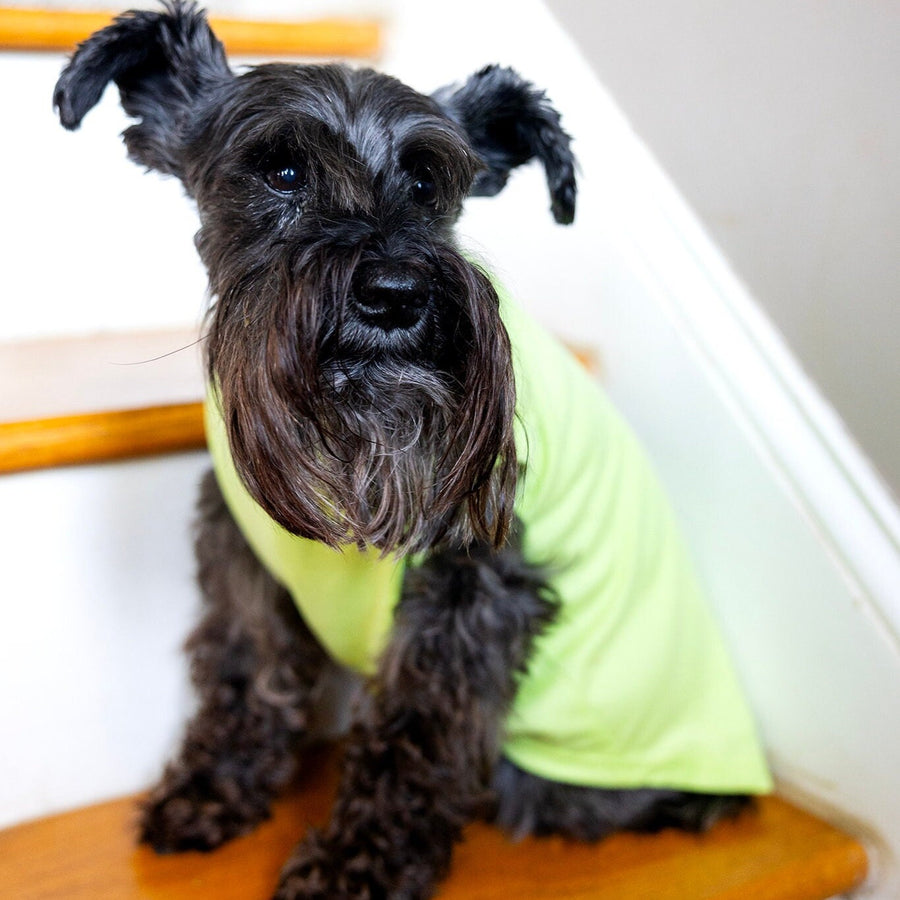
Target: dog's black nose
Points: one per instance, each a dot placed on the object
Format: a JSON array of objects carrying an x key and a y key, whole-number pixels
[{"x": 390, "y": 296}]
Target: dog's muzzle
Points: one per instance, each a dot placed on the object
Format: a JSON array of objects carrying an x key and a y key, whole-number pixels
[{"x": 389, "y": 296}]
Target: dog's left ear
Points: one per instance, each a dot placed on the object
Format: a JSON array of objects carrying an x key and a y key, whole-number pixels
[
  {"x": 510, "y": 122},
  {"x": 164, "y": 63}
]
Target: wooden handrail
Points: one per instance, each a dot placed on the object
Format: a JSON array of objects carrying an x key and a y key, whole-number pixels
[{"x": 42, "y": 29}]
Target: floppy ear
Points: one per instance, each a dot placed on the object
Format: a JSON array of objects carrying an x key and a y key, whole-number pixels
[
  {"x": 162, "y": 63},
  {"x": 508, "y": 123}
]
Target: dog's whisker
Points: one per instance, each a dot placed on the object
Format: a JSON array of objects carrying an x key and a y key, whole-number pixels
[{"x": 175, "y": 352}]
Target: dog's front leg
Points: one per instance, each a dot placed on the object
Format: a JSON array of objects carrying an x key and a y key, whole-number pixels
[
  {"x": 256, "y": 668},
  {"x": 418, "y": 767}
]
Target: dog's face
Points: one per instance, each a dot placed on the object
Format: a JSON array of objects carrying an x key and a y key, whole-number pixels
[{"x": 362, "y": 368}]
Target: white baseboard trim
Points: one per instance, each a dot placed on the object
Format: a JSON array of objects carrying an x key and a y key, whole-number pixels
[{"x": 804, "y": 441}]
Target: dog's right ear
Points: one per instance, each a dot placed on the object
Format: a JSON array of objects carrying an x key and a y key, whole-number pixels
[
  {"x": 162, "y": 63},
  {"x": 510, "y": 122}
]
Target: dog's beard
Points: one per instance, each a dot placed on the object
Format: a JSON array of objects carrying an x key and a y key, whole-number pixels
[
  {"x": 381, "y": 458},
  {"x": 376, "y": 450}
]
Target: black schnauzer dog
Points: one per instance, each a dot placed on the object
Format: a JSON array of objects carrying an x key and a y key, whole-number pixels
[{"x": 373, "y": 395}]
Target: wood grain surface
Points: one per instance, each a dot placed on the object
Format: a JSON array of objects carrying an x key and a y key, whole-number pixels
[
  {"x": 776, "y": 852},
  {"x": 100, "y": 437},
  {"x": 42, "y": 29}
]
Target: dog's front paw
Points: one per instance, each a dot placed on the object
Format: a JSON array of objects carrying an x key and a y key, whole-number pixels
[
  {"x": 325, "y": 870},
  {"x": 316, "y": 872},
  {"x": 197, "y": 812}
]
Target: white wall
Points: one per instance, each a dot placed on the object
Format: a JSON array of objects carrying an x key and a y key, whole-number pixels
[
  {"x": 814, "y": 637},
  {"x": 778, "y": 121},
  {"x": 97, "y": 597}
]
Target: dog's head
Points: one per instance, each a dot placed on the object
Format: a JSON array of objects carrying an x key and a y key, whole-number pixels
[{"x": 361, "y": 365}]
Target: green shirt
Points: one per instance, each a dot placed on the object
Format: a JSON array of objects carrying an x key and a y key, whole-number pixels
[{"x": 631, "y": 686}]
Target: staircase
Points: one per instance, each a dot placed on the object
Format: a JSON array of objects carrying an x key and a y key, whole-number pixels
[
  {"x": 774, "y": 852},
  {"x": 777, "y": 851}
]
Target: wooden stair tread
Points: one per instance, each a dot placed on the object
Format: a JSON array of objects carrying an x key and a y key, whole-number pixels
[
  {"x": 93, "y": 399},
  {"x": 55, "y": 29},
  {"x": 100, "y": 397},
  {"x": 776, "y": 852},
  {"x": 101, "y": 437}
]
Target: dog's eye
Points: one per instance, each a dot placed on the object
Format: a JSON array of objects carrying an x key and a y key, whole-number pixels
[
  {"x": 285, "y": 179},
  {"x": 424, "y": 191}
]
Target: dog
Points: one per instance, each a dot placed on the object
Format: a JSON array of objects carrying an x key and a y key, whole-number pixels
[{"x": 410, "y": 479}]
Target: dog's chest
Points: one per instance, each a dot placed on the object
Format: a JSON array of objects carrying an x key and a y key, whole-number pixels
[{"x": 347, "y": 597}]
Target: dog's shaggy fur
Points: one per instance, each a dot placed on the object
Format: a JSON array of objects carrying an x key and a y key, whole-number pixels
[{"x": 366, "y": 386}]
